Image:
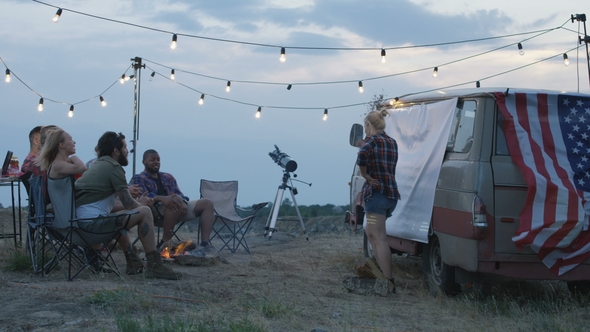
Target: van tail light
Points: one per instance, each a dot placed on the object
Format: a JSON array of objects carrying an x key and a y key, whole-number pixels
[{"x": 478, "y": 212}]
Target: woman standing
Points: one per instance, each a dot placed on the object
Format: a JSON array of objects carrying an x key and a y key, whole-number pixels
[{"x": 377, "y": 158}]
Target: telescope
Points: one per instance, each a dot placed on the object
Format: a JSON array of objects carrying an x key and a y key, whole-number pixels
[{"x": 282, "y": 159}]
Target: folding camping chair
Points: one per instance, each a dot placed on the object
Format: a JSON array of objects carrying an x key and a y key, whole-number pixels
[
  {"x": 73, "y": 246},
  {"x": 224, "y": 195},
  {"x": 38, "y": 246}
]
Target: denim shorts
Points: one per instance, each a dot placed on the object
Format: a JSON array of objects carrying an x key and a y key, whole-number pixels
[{"x": 379, "y": 204}]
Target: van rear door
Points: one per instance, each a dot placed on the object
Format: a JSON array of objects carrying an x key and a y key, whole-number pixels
[{"x": 509, "y": 193}]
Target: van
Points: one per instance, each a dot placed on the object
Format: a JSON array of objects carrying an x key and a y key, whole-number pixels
[{"x": 481, "y": 197}]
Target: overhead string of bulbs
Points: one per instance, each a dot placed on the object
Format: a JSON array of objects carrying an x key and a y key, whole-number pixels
[{"x": 282, "y": 58}]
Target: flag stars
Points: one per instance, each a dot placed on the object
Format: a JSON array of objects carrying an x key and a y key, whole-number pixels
[
  {"x": 580, "y": 103},
  {"x": 573, "y": 110},
  {"x": 576, "y": 128},
  {"x": 567, "y": 119},
  {"x": 588, "y": 174},
  {"x": 584, "y": 136},
  {"x": 587, "y": 110},
  {"x": 582, "y": 119},
  {"x": 566, "y": 102},
  {"x": 584, "y": 159},
  {"x": 575, "y": 151},
  {"x": 570, "y": 136},
  {"x": 580, "y": 144},
  {"x": 581, "y": 182}
]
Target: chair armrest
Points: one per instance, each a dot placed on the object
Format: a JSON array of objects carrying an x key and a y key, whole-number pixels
[
  {"x": 254, "y": 208},
  {"x": 124, "y": 214}
]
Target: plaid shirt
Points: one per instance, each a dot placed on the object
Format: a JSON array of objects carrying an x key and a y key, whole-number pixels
[
  {"x": 29, "y": 165},
  {"x": 379, "y": 154},
  {"x": 149, "y": 186}
]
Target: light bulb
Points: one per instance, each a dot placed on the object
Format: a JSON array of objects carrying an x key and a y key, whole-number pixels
[
  {"x": 435, "y": 72},
  {"x": 566, "y": 61},
  {"x": 520, "y": 49},
  {"x": 57, "y": 15},
  {"x": 8, "y": 78},
  {"x": 228, "y": 87},
  {"x": 383, "y": 55},
  {"x": 477, "y": 85},
  {"x": 174, "y": 41},
  {"x": 40, "y": 107},
  {"x": 152, "y": 75},
  {"x": 172, "y": 77},
  {"x": 71, "y": 112},
  {"x": 391, "y": 102},
  {"x": 289, "y": 87},
  {"x": 202, "y": 100},
  {"x": 122, "y": 79},
  {"x": 127, "y": 78},
  {"x": 325, "y": 117},
  {"x": 283, "y": 57},
  {"x": 361, "y": 89},
  {"x": 258, "y": 112},
  {"x": 103, "y": 102}
]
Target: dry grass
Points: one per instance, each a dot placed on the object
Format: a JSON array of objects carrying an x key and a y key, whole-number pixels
[{"x": 286, "y": 284}]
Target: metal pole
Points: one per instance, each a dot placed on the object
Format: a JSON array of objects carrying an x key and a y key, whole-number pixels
[
  {"x": 137, "y": 65},
  {"x": 586, "y": 39}
]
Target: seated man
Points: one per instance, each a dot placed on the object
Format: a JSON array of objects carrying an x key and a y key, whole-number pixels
[
  {"x": 29, "y": 169},
  {"x": 162, "y": 187},
  {"x": 97, "y": 192}
]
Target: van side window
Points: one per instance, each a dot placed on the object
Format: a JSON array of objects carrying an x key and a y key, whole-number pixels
[
  {"x": 501, "y": 145},
  {"x": 461, "y": 135}
]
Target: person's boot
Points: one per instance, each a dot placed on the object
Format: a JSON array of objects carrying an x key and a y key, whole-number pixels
[
  {"x": 157, "y": 269},
  {"x": 134, "y": 263}
]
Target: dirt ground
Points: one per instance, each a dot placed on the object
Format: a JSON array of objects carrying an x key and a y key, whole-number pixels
[{"x": 286, "y": 284}]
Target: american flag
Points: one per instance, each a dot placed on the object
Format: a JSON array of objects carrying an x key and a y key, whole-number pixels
[{"x": 548, "y": 136}]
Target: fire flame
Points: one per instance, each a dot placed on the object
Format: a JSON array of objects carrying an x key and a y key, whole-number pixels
[{"x": 175, "y": 251}]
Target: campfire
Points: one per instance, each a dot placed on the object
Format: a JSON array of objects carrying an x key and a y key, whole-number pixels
[
  {"x": 182, "y": 248},
  {"x": 184, "y": 253}
]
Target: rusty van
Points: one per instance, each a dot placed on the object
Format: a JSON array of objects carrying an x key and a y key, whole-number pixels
[{"x": 478, "y": 196}]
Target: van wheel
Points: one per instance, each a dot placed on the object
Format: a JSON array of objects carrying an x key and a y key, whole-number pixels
[
  {"x": 367, "y": 247},
  {"x": 580, "y": 287},
  {"x": 437, "y": 274}
]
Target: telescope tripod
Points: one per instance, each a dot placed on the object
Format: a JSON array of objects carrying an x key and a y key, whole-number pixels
[{"x": 274, "y": 213}]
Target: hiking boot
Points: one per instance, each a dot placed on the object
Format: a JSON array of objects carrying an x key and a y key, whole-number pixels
[
  {"x": 205, "y": 251},
  {"x": 157, "y": 269},
  {"x": 392, "y": 285},
  {"x": 134, "y": 263}
]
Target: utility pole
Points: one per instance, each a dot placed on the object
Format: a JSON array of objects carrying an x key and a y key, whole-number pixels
[
  {"x": 137, "y": 65},
  {"x": 585, "y": 39}
]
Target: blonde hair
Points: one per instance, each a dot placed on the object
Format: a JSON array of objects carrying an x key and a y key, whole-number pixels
[
  {"x": 50, "y": 149},
  {"x": 377, "y": 119}
]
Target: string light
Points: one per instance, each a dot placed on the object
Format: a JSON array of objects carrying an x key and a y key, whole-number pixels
[
  {"x": 435, "y": 72},
  {"x": 40, "y": 106},
  {"x": 283, "y": 57},
  {"x": 103, "y": 103},
  {"x": 57, "y": 15},
  {"x": 566, "y": 61},
  {"x": 258, "y": 112},
  {"x": 477, "y": 85},
  {"x": 174, "y": 41},
  {"x": 289, "y": 87},
  {"x": 127, "y": 78},
  {"x": 71, "y": 112},
  {"x": 228, "y": 87},
  {"x": 202, "y": 100},
  {"x": 325, "y": 117},
  {"x": 172, "y": 74},
  {"x": 152, "y": 75},
  {"x": 383, "y": 55},
  {"x": 520, "y": 49},
  {"x": 7, "y": 79},
  {"x": 122, "y": 80},
  {"x": 361, "y": 89}
]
